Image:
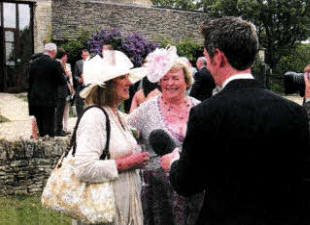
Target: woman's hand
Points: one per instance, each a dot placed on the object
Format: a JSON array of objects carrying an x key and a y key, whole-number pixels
[
  {"x": 166, "y": 160},
  {"x": 134, "y": 161}
]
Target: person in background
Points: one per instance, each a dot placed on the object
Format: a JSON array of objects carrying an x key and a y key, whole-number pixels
[
  {"x": 63, "y": 95},
  {"x": 106, "y": 47},
  {"x": 108, "y": 85},
  {"x": 62, "y": 92},
  {"x": 78, "y": 81},
  {"x": 204, "y": 82},
  {"x": 45, "y": 75},
  {"x": 168, "y": 111},
  {"x": 245, "y": 145},
  {"x": 148, "y": 91},
  {"x": 70, "y": 98}
]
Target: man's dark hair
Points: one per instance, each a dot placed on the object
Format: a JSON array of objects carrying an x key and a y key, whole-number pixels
[
  {"x": 60, "y": 53},
  {"x": 235, "y": 37},
  {"x": 84, "y": 50}
]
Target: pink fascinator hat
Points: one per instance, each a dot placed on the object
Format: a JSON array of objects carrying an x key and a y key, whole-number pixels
[{"x": 159, "y": 62}]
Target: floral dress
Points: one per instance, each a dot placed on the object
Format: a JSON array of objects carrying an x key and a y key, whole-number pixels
[
  {"x": 161, "y": 204},
  {"x": 91, "y": 140}
]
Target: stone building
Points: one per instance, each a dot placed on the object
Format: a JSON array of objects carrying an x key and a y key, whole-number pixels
[{"x": 25, "y": 25}]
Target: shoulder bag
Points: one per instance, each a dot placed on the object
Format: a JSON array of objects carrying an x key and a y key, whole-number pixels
[{"x": 65, "y": 193}]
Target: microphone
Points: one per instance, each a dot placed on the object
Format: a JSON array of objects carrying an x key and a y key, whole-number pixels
[{"x": 161, "y": 142}]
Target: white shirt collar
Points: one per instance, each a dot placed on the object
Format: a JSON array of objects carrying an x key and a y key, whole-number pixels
[{"x": 237, "y": 77}]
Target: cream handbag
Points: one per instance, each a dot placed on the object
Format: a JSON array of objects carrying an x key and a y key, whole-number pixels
[{"x": 87, "y": 202}]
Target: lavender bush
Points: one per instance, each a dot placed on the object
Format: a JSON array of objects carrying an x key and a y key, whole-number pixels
[
  {"x": 103, "y": 37},
  {"x": 135, "y": 45}
]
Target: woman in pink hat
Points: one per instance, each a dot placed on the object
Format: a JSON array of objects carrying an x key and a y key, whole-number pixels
[{"x": 168, "y": 111}]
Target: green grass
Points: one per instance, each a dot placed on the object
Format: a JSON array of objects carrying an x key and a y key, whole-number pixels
[
  {"x": 27, "y": 210},
  {"x": 3, "y": 119}
]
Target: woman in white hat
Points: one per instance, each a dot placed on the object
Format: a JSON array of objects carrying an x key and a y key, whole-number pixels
[
  {"x": 108, "y": 82},
  {"x": 169, "y": 112}
]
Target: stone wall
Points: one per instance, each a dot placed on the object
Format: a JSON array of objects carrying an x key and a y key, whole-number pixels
[
  {"x": 42, "y": 24},
  {"x": 70, "y": 18},
  {"x": 25, "y": 165},
  {"x": 60, "y": 20}
]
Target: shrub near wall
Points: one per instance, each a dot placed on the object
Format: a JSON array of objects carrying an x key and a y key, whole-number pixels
[
  {"x": 187, "y": 48},
  {"x": 74, "y": 47},
  {"x": 25, "y": 165}
]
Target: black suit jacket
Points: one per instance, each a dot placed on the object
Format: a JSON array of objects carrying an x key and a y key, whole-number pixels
[
  {"x": 203, "y": 85},
  {"x": 63, "y": 90},
  {"x": 78, "y": 70},
  {"x": 246, "y": 147},
  {"x": 45, "y": 75}
]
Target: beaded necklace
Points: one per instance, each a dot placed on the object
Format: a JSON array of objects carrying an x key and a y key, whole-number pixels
[
  {"x": 176, "y": 111},
  {"x": 175, "y": 116}
]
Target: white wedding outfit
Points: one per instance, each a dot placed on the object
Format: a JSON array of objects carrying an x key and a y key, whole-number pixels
[{"x": 91, "y": 141}]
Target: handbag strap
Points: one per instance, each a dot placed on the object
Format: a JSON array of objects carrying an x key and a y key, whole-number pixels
[{"x": 105, "y": 152}]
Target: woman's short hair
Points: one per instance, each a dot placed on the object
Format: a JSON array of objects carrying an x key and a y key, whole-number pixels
[
  {"x": 180, "y": 64},
  {"x": 103, "y": 96}
]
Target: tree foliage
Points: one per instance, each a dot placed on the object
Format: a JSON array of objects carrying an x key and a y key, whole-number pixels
[
  {"x": 186, "y": 48},
  {"x": 74, "y": 47},
  {"x": 281, "y": 24},
  {"x": 296, "y": 61}
]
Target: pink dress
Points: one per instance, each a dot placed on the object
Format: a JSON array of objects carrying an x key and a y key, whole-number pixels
[{"x": 161, "y": 204}]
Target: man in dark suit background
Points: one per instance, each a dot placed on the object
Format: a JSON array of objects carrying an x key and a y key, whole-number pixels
[
  {"x": 62, "y": 92},
  {"x": 245, "y": 146},
  {"x": 45, "y": 76},
  {"x": 204, "y": 82},
  {"x": 78, "y": 81}
]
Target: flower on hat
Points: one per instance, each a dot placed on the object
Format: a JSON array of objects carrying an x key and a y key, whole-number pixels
[{"x": 159, "y": 62}]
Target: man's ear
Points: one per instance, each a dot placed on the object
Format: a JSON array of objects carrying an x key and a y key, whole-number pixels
[{"x": 220, "y": 58}]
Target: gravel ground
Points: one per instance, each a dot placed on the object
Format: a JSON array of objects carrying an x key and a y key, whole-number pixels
[{"x": 16, "y": 110}]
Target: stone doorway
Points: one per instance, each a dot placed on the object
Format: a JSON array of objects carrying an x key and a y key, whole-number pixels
[{"x": 16, "y": 44}]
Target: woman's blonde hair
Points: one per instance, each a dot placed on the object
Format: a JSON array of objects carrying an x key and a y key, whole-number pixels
[
  {"x": 102, "y": 95},
  {"x": 180, "y": 64}
]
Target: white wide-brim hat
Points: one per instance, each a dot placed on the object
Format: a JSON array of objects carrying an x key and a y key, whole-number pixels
[{"x": 97, "y": 70}]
